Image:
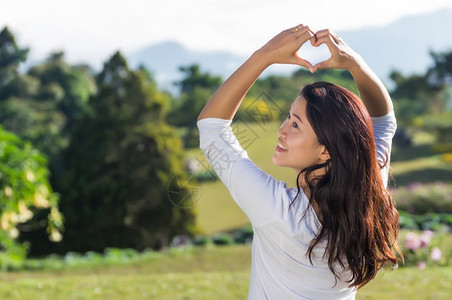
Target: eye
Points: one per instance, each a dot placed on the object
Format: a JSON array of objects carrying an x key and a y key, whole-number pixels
[{"x": 294, "y": 124}]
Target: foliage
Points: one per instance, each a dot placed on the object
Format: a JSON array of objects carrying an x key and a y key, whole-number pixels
[
  {"x": 441, "y": 73},
  {"x": 123, "y": 161},
  {"x": 42, "y": 105},
  {"x": 439, "y": 124},
  {"x": 424, "y": 96},
  {"x": 222, "y": 239},
  {"x": 10, "y": 58},
  {"x": 425, "y": 249},
  {"x": 429, "y": 221},
  {"x": 194, "y": 78},
  {"x": 418, "y": 198},
  {"x": 24, "y": 191},
  {"x": 196, "y": 88}
]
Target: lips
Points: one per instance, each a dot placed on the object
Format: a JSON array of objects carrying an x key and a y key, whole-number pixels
[{"x": 282, "y": 147}]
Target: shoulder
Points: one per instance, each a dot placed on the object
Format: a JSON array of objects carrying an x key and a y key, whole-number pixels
[{"x": 261, "y": 196}]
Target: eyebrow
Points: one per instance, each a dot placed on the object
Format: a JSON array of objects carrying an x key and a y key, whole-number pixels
[{"x": 296, "y": 116}]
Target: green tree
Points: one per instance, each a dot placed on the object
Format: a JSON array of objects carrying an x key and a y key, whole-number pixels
[
  {"x": 42, "y": 105},
  {"x": 24, "y": 191},
  {"x": 61, "y": 100},
  {"x": 441, "y": 73},
  {"x": 10, "y": 58},
  {"x": 68, "y": 87},
  {"x": 412, "y": 97},
  {"x": 194, "y": 78},
  {"x": 123, "y": 160},
  {"x": 196, "y": 88}
]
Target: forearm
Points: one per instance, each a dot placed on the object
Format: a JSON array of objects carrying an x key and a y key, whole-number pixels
[
  {"x": 226, "y": 100},
  {"x": 371, "y": 90},
  {"x": 281, "y": 49}
]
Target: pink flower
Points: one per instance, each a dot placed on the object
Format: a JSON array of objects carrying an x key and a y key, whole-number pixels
[
  {"x": 426, "y": 238},
  {"x": 421, "y": 265},
  {"x": 412, "y": 241},
  {"x": 435, "y": 254}
]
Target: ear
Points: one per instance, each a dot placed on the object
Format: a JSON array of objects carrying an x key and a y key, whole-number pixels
[{"x": 325, "y": 155}]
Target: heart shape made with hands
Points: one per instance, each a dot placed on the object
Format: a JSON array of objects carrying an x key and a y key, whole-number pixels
[{"x": 314, "y": 55}]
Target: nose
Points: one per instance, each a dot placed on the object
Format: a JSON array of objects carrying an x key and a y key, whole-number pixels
[{"x": 282, "y": 131}]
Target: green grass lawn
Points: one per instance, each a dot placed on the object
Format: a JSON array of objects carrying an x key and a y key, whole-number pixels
[{"x": 196, "y": 273}]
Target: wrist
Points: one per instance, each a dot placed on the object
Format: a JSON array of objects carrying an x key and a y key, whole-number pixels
[
  {"x": 358, "y": 65},
  {"x": 262, "y": 58}
]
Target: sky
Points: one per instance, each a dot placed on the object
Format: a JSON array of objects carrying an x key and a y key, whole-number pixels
[{"x": 90, "y": 31}]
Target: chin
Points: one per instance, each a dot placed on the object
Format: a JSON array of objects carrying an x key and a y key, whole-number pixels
[
  {"x": 275, "y": 161},
  {"x": 278, "y": 163}
]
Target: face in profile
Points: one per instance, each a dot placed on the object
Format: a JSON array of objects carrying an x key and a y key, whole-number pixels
[{"x": 298, "y": 146}]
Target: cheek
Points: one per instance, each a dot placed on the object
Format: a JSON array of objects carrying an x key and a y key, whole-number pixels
[
  {"x": 296, "y": 142},
  {"x": 303, "y": 150}
]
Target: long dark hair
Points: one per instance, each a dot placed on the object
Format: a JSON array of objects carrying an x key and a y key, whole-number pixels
[{"x": 359, "y": 220}]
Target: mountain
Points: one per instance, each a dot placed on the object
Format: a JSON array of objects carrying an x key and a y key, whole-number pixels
[
  {"x": 403, "y": 45},
  {"x": 164, "y": 60}
]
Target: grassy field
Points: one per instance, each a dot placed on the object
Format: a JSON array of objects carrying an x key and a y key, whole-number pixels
[{"x": 196, "y": 273}]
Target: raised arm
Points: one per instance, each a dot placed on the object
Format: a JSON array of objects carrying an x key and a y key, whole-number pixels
[
  {"x": 281, "y": 49},
  {"x": 372, "y": 91}
]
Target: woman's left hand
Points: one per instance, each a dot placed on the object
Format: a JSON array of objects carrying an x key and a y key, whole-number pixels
[
  {"x": 283, "y": 47},
  {"x": 342, "y": 56}
]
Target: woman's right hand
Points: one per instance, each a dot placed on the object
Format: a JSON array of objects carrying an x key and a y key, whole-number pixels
[{"x": 282, "y": 49}]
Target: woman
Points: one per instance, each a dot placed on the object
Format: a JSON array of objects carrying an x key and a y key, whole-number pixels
[{"x": 330, "y": 236}]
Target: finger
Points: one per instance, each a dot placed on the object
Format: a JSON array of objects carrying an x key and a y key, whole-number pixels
[
  {"x": 306, "y": 35},
  {"x": 322, "y": 65},
  {"x": 301, "y": 30},
  {"x": 313, "y": 40},
  {"x": 335, "y": 37},
  {"x": 322, "y": 32},
  {"x": 322, "y": 35},
  {"x": 328, "y": 40},
  {"x": 303, "y": 62},
  {"x": 296, "y": 28}
]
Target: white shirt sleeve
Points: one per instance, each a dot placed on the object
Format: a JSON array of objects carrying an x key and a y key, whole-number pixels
[
  {"x": 258, "y": 194},
  {"x": 384, "y": 130}
]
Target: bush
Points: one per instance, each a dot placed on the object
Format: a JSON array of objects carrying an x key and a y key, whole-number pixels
[
  {"x": 425, "y": 249},
  {"x": 420, "y": 199},
  {"x": 26, "y": 198},
  {"x": 200, "y": 240},
  {"x": 430, "y": 221},
  {"x": 223, "y": 239},
  {"x": 115, "y": 255},
  {"x": 244, "y": 235}
]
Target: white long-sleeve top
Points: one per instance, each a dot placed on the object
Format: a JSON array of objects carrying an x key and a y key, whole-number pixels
[{"x": 280, "y": 268}]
